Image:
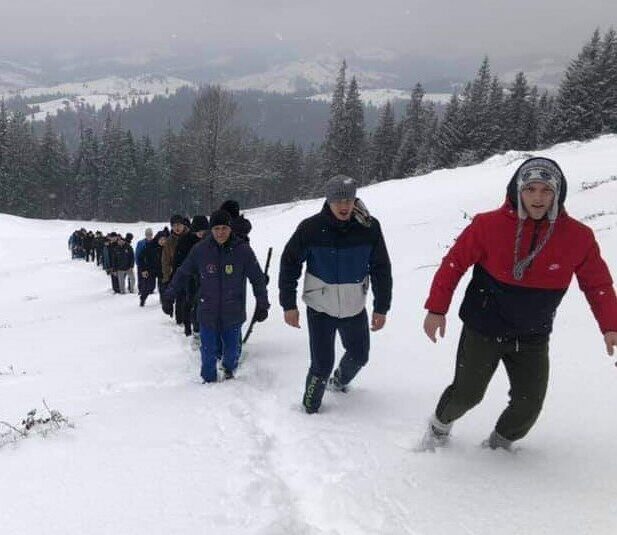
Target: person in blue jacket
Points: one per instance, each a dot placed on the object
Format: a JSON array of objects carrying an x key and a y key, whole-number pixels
[
  {"x": 223, "y": 263},
  {"x": 344, "y": 250}
]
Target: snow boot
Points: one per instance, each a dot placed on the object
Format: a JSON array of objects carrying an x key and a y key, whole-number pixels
[
  {"x": 437, "y": 435},
  {"x": 496, "y": 441},
  {"x": 228, "y": 374},
  {"x": 313, "y": 394},
  {"x": 335, "y": 384}
]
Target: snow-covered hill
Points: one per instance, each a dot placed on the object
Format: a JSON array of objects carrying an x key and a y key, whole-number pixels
[
  {"x": 305, "y": 76},
  {"x": 154, "y": 451},
  {"x": 379, "y": 97},
  {"x": 113, "y": 90}
]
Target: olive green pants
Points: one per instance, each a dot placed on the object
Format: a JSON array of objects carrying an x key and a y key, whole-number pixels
[{"x": 526, "y": 363}]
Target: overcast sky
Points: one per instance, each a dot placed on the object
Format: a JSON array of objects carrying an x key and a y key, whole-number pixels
[{"x": 423, "y": 27}]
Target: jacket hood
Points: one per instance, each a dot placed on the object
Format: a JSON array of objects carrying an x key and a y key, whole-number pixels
[{"x": 512, "y": 190}]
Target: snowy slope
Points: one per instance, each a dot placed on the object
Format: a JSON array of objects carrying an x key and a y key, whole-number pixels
[
  {"x": 303, "y": 75},
  {"x": 379, "y": 97},
  {"x": 154, "y": 451},
  {"x": 114, "y": 90}
]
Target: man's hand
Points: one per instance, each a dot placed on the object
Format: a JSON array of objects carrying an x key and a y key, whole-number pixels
[
  {"x": 432, "y": 322},
  {"x": 292, "y": 318},
  {"x": 610, "y": 339},
  {"x": 378, "y": 321}
]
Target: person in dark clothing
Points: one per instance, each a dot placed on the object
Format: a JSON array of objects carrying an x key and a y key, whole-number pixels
[
  {"x": 179, "y": 228},
  {"x": 150, "y": 261},
  {"x": 240, "y": 226},
  {"x": 223, "y": 263},
  {"x": 143, "y": 284},
  {"x": 198, "y": 230},
  {"x": 524, "y": 256},
  {"x": 123, "y": 260},
  {"x": 97, "y": 244},
  {"x": 343, "y": 248},
  {"x": 109, "y": 252},
  {"x": 88, "y": 244}
]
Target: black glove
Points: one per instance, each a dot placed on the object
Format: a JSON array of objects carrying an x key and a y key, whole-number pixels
[
  {"x": 261, "y": 314},
  {"x": 167, "y": 303}
]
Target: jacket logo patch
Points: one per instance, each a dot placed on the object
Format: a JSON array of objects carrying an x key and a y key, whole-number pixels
[
  {"x": 229, "y": 269},
  {"x": 211, "y": 268},
  {"x": 553, "y": 267}
]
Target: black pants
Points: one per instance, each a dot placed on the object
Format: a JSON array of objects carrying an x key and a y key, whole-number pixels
[
  {"x": 354, "y": 335},
  {"x": 145, "y": 285},
  {"x": 114, "y": 283},
  {"x": 526, "y": 363}
]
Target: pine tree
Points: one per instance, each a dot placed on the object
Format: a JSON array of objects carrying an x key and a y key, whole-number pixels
[
  {"x": 334, "y": 146},
  {"x": 353, "y": 156},
  {"x": 577, "y": 112},
  {"x": 519, "y": 120},
  {"x": 85, "y": 197},
  {"x": 383, "y": 145},
  {"x": 449, "y": 138}
]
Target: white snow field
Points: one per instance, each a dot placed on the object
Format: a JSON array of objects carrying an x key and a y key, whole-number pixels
[{"x": 153, "y": 451}]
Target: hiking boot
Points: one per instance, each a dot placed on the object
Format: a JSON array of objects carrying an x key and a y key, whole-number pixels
[
  {"x": 313, "y": 394},
  {"x": 496, "y": 441},
  {"x": 334, "y": 383},
  {"x": 142, "y": 300}
]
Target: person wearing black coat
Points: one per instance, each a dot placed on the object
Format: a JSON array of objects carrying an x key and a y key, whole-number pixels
[
  {"x": 240, "y": 226},
  {"x": 123, "y": 261}
]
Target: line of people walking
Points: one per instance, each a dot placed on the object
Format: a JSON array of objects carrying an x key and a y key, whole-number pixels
[{"x": 523, "y": 254}]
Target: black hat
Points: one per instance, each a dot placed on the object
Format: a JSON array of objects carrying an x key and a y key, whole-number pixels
[
  {"x": 129, "y": 237},
  {"x": 220, "y": 217},
  {"x": 176, "y": 218},
  {"x": 231, "y": 207},
  {"x": 200, "y": 222}
]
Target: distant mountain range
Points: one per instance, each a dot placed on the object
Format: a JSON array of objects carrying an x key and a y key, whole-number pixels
[{"x": 382, "y": 76}]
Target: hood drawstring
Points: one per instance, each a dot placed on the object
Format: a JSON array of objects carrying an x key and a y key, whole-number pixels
[{"x": 520, "y": 266}]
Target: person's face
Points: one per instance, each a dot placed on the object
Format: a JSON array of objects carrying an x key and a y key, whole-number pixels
[
  {"x": 149, "y": 237},
  {"x": 537, "y": 199},
  {"x": 200, "y": 234},
  {"x": 162, "y": 240},
  {"x": 177, "y": 228},
  {"x": 342, "y": 209},
  {"x": 221, "y": 233}
]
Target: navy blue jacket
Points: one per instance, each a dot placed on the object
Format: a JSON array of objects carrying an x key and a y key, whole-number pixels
[
  {"x": 222, "y": 271},
  {"x": 341, "y": 257}
]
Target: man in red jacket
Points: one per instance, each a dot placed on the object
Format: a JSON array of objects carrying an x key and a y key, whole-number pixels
[{"x": 524, "y": 256}]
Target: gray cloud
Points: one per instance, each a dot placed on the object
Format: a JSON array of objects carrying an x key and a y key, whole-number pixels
[{"x": 422, "y": 27}]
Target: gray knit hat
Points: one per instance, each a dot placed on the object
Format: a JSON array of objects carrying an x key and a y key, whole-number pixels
[
  {"x": 547, "y": 172},
  {"x": 340, "y": 187},
  {"x": 539, "y": 170}
]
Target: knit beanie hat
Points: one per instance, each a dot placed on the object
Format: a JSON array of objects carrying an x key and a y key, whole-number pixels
[
  {"x": 199, "y": 223},
  {"x": 340, "y": 187},
  {"x": 539, "y": 170},
  {"x": 220, "y": 217},
  {"x": 546, "y": 172},
  {"x": 231, "y": 207}
]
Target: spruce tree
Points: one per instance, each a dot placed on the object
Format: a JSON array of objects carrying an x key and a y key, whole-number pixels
[
  {"x": 334, "y": 146},
  {"x": 383, "y": 145},
  {"x": 354, "y": 154}
]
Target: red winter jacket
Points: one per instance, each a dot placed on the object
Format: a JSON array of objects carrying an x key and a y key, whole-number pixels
[{"x": 495, "y": 303}]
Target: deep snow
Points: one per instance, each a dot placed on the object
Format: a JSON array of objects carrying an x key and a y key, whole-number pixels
[{"x": 154, "y": 451}]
